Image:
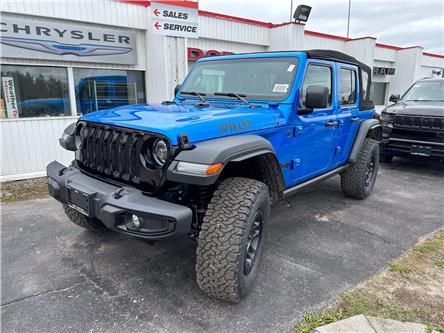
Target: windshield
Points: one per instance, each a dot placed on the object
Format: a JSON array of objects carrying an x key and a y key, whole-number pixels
[
  {"x": 426, "y": 91},
  {"x": 267, "y": 79}
]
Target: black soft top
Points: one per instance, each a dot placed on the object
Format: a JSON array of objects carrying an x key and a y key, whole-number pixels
[{"x": 366, "y": 102}]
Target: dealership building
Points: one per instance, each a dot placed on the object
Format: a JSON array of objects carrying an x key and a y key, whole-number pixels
[{"x": 62, "y": 59}]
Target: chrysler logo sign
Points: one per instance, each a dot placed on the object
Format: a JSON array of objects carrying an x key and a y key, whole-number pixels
[
  {"x": 46, "y": 40},
  {"x": 80, "y": 50}
]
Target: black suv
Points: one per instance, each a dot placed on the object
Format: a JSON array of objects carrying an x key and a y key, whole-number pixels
[{"x": 414, "y": 125}]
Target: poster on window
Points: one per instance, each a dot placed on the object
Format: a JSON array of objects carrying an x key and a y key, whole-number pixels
[{"x": 10, "y": 97}]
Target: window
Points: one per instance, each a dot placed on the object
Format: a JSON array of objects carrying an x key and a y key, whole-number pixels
[
  {"x": 365, "y": 93},
  {"x": 100, "y": 89},
  {"x": 347, "y": 90},
  {"x": 257, "y": 78},
  {"x": 317, "y": 75},
  {"x": 432, "y": 91},
  {"x": 379, "y": 92},
  {"x": 34, "y": 91}
]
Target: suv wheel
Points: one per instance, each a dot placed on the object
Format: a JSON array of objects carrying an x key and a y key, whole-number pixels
[
  {"x": 231, "y": 241},
  {"x": 358, "y": 179},
  {"x": 81, "y": 220}
]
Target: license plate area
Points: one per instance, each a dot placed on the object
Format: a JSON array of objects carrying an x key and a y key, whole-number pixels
[
  {"x": 421, "y": 150},
  {"x": 80, "y": 200}
]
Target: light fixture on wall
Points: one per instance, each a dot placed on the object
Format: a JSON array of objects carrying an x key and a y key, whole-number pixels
[{"x": 302, "y": 13}]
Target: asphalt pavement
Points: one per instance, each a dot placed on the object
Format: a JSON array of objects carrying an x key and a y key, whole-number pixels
[{"x": 55, "y": 277}]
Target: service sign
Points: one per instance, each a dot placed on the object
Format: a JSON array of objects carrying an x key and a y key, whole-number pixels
[
  {"x": 10, "y": 96},
  {"x": 175, "y": 21},
  {"x": 50, "y": 40}
]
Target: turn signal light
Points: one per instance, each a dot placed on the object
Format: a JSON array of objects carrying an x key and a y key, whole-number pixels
[
  {"x": 199, "y": 169},
  {"x": 214, "y": 168}
]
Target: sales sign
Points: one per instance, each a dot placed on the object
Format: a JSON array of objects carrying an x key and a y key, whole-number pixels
[
  {"x": 10, "y": 97},
  {"x": 175, "y": 21}
]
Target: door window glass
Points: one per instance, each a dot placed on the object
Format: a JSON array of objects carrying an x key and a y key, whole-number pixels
[
  {"x": 100, "y": 89},
  {"x": 347, "y": 90},
  {"x": 317, "y": 75},
  {"x": 34, "y": 91}
]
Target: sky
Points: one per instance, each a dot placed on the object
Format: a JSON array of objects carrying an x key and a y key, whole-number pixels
[{"x": 399, "y": 23}]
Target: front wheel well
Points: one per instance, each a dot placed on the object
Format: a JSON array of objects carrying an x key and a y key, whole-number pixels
[
  {"x": 375, "y": 133},
  {"x": 264, "y": 167}
]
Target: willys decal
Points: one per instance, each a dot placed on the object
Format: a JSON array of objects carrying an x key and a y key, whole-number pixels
[{"x": 234, "y": 126}]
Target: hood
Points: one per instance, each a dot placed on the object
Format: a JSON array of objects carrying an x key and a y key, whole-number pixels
[
  {"x": 200, "y": 123},
  {"x": 417, "y": 108}
]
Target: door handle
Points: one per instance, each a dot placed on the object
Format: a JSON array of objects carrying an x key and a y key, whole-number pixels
[
  {"x": 331, "y": 123},
  {"x": 354, "y": 119}
]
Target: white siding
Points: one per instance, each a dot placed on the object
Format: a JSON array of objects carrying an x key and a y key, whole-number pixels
[
  {"x": 362, "y": 49},
  {"x": 28, "y": 145},
  {"x": 427, "y": 71},
  {"x": 432, "y": 61},
  {"x": 106, "y": 12},
  {"x": 223, "y": 45},
  {"x": 287, "y": 37},
  {"x": 407, "y": 67},
  {"x": 315, "y": 42},
  {"x": 214, "y": 28},
  {"x": 385, "y": 54}
]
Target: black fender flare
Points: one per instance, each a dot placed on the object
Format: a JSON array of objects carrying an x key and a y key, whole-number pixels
[
  {"x": 222, "y": 150},
  {"x": 369, "y": 127}
]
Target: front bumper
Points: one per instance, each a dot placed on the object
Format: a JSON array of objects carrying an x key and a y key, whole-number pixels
[
  {"x": 405, "y": 147},
  {"x": 114, "y": 205}
]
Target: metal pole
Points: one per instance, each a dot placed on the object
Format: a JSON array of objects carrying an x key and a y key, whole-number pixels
[
  {"x": 291, "y": 10},
  {"x": 348, "y": 21}
]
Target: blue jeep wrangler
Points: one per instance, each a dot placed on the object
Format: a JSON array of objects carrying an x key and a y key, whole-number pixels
[{"x": 243, "y": 131}]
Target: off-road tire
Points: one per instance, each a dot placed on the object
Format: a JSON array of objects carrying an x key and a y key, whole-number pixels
[
  {"x": 385, "y": 158},
  {"x": 83, "y": 221},
  {"x": 353, "y": 179},
  {"x": 222, "y": 242}
]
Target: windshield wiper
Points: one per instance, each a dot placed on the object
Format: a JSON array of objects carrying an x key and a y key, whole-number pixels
[
  {"x": 193, "y": 93},
  {"x": 232, "y": 94}
]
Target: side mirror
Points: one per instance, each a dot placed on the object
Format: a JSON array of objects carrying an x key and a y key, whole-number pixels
[
  {"x": 176, "y": 90},
  {"x": 316, "y": 97},
  {"x": 394, "y": 98}
]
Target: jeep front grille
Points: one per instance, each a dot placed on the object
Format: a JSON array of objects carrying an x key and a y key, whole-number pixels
[
  {"x": 115, "y": 153},
  {"x": 419, "y": 122}
]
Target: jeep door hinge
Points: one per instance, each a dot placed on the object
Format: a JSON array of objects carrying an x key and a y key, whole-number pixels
[
  {"x": 297, "y": 130},
  {"x": 338, "y": 150},
  {"x": 295, "y": 163}
]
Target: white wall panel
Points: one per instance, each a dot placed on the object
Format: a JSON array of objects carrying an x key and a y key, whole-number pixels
[
  {"x": 407, "y": 66},
  {"x": 362, "y": 49},
  {"x": 432, "y": 61},
  {"x": 28, "y": 145},
  {"x": 385, "y": 54},
  {"x": 107, "y": 12},
  {"x": 427, "y": 71},
  {"x": 287, "y": 38},
  {"x": 210, "y": 27},
  {"x": 223, "y": 45},
  {"x": 315, "y": 42}
]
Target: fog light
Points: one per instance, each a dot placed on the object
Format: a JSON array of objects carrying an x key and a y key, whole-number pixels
[{"x": 136, "y": 221}]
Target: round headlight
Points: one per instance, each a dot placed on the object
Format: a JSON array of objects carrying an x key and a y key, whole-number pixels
[{"x": 160, "y": 151}]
